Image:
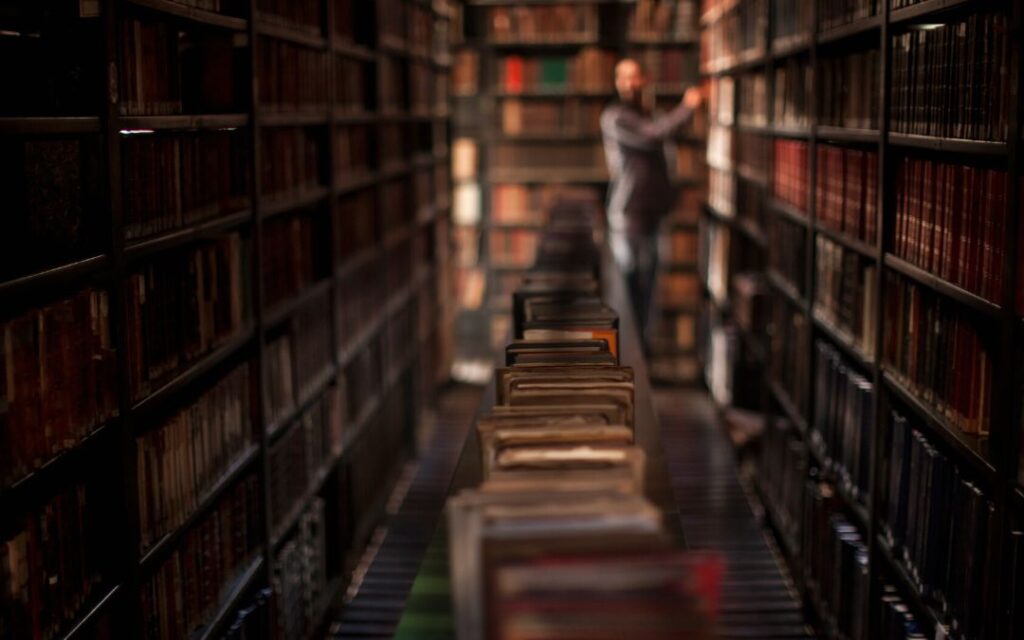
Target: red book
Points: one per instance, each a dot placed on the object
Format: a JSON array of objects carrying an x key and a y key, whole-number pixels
[
  {"x": 927, "y": 215},
  {"x": 514, "y": 74}
]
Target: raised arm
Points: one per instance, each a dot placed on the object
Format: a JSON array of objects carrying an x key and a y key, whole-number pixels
[{"x": 631, "y": 129}]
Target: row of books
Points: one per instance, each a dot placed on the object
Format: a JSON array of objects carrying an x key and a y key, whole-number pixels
[
  {"x": 589, "y": 70},
  {"x": 561, "y": 491},
  {"x": 714, "y": 259},
  {"x": 951, "y": 221},
  {"x": 846, "y": 191},
  {"x": 356, "y": 293},
  {"x": 751, "y": 155},
  {"x": 679, "y": 290},
  {"x": 53, "y": 564},
  {"x": 291, "y": 162},
  {"x": 782, "y": 474},
  {"x": 352, "y": 144},
  {"x": 721, "y": 99},
  {"x": 355, "y": 226},
  {"x": 53, "y": 202},
  {"x": 783, "y": 232},
  {"x": 789, "y": 173},
  {"x": 290, "y": 77},
  {"x": 541, "y": 156},
  {"x": 552, "y": 23},
  {"x": 753, "y": 90},
  {"x": 951, "y": 81},
  {"x": 165, "y": 71},
  {"x": 844, "y": 419},
  {"x": 187, "y": 454},
  {"x": 663, "y": 20},
  {"x": 554, "y": 117},
  {"x": 300, "y": 454},
  {"x": 297, "y": 360},
  {"x": 721, "y": 191},
  {"x": 352, "y": 86},
  {"x": 299, "y": 577},
  {"x": 938, "y": 522},
  {"x": 791, "y": 19},
  {"x": 393, "y": 83},
  {"x": 844, "y": 295},
  {"x": 678, "y": 247},
  {"x": 173, "y": 180},
  {"x": 465, "y": 72},
  {"x": 292, "y": 256},
  {"x": 947, "y": 364},
  {"x": 835, "y": 556},
  {"x": 836, "y": 13},
  {"x": 57, "y": 380},
  {"x": 512, "y": 247},
  {"x": 421, "y": 86},
  {"x": 303, "y": 15},
  {"x": 668, "y": 68},
  {"x": 184, "y": 590},
  {"x": 848, "y": 89},
  {"x": 789, "y": 346},
  {"x": 792, "y": 93},
  {"x": 720, "y": 147},
  {"x": 181, "y": 306},
  {"x": 751, "y": 203}
]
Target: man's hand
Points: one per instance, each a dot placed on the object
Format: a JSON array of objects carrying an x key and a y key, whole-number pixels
[{"x": 693, "y": 98}]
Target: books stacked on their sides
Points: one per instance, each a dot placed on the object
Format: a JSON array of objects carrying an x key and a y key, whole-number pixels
[{"x": 558, "y": 540}]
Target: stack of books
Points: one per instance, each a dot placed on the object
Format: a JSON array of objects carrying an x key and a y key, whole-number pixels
[{"x": 558, "y": 540}]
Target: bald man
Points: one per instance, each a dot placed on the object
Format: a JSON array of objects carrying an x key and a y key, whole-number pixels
[{"x": 641, "y": 192}]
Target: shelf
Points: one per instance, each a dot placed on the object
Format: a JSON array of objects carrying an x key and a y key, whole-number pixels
[
  {"x": 789, "y": 409},
  {"x": 163, "y": 547},
  {"x": 975, "y": 450},
  {"x": 540, "y": 176},
  {"x": 355, "y": 183},
  {"x": 284, "y": 309},
  {"x": 20, "y": 492},
  {"x": 239, "y": 588},
  {"x": 346, "y": 116},
  {"x": 45, "y": 126},
  {"x": 793, "y": 133},
  {"x": 394, "y": 170},
  {"x": 352, "y": 50},
  {"x": 554, "y": 137},
  {"x": 662, "y": 41},
  {"x": 751, "y": 176},
  {"x": 856, "y": 28},
  {"x": 398, "y": 236},
  {"x": 922, "y": 9},
  {"x": 555, "y": 92},
  {"x": 853, "y": 244},
  {"x": 843, "y": 134},
  {"x": 18, "y": 287},
  {"x": 784, "y": 287},
  {"x": 200, "y": 16},
  {"x": 949, "y": 145},
  {"x": 283, "y": 204},
  {"x": 311, "y": 118},
  {"x": 790, "y": 45},
  {"x": 137, "y": 249},
  {"x": 82, "y": 629},
  {"x": 361, "y": 339},
  {"x": 752, "y": 231},
  {"x": 788, "y": 211},
  {"x": 201, "y": 121},
  {"x": 948, "y": 289},
  {"x": 844, "y": 341},
  {"x": 299, "y": 507},
  {"x": 242, "y": 338},
  {"x": 295, "y": 35},
  {"x": 756, "y": 129},
  {"x": 354, "y": 262},
  {"x": 923, "y": 612}
]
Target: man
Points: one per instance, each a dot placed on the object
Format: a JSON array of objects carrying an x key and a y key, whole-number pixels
[{"x": 641, "y": 192}]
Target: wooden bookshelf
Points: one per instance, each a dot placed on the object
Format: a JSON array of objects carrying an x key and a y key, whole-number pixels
[
  {"x": 990, "y": 462},
  {"x": 236, "y": 189}
]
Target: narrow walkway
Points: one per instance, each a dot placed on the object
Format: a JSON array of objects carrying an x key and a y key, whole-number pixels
[{"x": 758, "y": 600}]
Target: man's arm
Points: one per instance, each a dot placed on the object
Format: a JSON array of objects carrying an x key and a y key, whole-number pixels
[{"x": 632, "y": 129}]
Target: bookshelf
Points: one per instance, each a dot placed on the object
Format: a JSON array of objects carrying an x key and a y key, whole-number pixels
[
  {"x": 227, "y": 302},
  {"x": 871, "y": 178},
  {"x": 534, "y": 79}
]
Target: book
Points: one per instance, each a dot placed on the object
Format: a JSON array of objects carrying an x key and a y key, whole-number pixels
[
  {"x": 789, "y": 264},
  {"x": 788, "y": 348},
  {"x": 290, "y": 165},
  {"x": 181, "y": 593},
  {"x": 300, "y": 15},
  {"x": 937, "y": 520},
  {"x": 836, "y": 13},
  {"x": 532, "y": 24},
  {"x": 589, "y": 71},
  {"x": 781, "y": 473},
  {"x": 182, "y": 305},
  {"x": 951, "y": 221},
  {"x": 354, "y": 226},
  {"x": 792, "y": 92},
  {"x": 844, "y": 297},
  {"x": 843, "y": 420},
  {"x": 189, "y": 453},
  {"x": 846, "y": 192},
  {"x": 792, "y": 20},
  {"x": 940, "y": 351},
  {"x": 351, "y": 153},
  {"x": 294, "y": 256},
  {"x": 953, "y": 80},
  {"x": 849, "y": 90},
  {"x": 663, "y": 20},
  {"x": 789, "y": 177},
  {"x": 57, "y": 380}
]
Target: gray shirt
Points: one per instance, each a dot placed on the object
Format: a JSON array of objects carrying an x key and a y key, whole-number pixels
[{"x": 634, "y": 142}]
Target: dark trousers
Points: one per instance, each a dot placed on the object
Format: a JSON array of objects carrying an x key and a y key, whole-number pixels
[{"x": 642, "y": 276}]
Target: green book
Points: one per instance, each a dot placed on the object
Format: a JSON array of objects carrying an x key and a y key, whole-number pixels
[{"x": 554, "y": 72}]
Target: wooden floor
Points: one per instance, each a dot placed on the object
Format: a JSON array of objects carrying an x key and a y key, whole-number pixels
[{"x": 758, "y": 600}]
